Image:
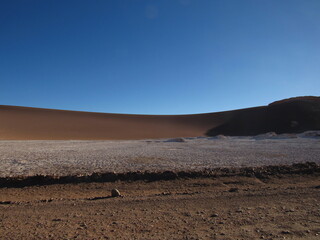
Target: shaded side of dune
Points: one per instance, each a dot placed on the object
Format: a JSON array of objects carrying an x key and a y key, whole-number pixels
[{"x": 294, "y": 115}]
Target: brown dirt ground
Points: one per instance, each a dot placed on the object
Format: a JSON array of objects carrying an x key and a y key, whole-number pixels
[{"x": 277, "y": 207}]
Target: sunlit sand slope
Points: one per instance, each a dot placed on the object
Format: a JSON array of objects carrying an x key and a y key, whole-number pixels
[{"x": 35, "y": 123}]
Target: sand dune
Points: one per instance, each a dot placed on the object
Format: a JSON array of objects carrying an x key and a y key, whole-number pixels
[
  {"x": 34, "y": 123},
  {"x": 24, "y": 123}
]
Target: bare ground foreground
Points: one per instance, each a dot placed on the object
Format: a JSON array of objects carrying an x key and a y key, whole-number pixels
[
  {"x": 284, "y": 206},
  {"x": 219, "y": 188}
]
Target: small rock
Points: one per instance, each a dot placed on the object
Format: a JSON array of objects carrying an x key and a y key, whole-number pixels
[
  {"x": 187, "y": 214},
  {"x": 115, "y": 193},
  {"x": 214, "y": 215},
  {"x": 220, "y": 136},
  {"x": 175, "y": 140},
  {"x": 57, "y": 219},
  {"x": 166, "y": 193},
  {"x": 290, "y": 210},
  {"x": 239, "y": 210},
  {"x": 285, "y": 232},
  {"x": 233, "y": 190}
]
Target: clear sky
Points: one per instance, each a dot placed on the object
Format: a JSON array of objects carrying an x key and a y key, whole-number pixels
[{"x": 157, "y": 56}]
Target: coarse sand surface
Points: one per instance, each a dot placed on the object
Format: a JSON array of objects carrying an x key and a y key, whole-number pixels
[{"x": 26, "y": 158}]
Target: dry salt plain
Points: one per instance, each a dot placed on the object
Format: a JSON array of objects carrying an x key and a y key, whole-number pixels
[{"x": 23, "y": 158}]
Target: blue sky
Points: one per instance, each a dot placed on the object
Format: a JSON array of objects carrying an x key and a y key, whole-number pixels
[{"x": 157, "y": 56}]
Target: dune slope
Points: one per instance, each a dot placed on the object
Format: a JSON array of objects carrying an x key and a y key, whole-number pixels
[
  {"x": 291, "y": 115},
  {"x": 24, "y": 123}
]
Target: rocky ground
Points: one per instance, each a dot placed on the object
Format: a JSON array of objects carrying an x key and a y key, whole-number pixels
[{"x": 282, "y": 206}]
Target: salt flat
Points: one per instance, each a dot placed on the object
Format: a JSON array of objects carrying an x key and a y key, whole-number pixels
[{"x": 22, "y": 158}]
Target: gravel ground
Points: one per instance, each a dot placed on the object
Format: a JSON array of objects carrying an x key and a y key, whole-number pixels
[
  {"x": 23, "y": 158},
  {"x": 281, "y": 207}
]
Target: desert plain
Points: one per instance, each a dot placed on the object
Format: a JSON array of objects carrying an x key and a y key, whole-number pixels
[
  {"x": 83, "y": 157},
  {"x": 206, "y": 176}
]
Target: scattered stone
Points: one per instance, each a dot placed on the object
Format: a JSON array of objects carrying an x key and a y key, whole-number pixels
[
  {"x": 310, "y": 134},
  {"x": 233, "y": 189},
  {"x": 220, "y": 136},
  {"x": 46, "y": 200},
  {"x": 290, "y": 210},
  {"x": 187, "y": 214},
  {"x": 266, "y": 135},
  {"x": 286, "y": 136},
  {"x": 115, "y": 193},
  {"x": 57, "y": 219},
  {"x": 83, "y": 225},
  {"x": 239, "y": 210},
  {"x": 175, "y": 140},
  {"x": 166, "y": 193}
]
